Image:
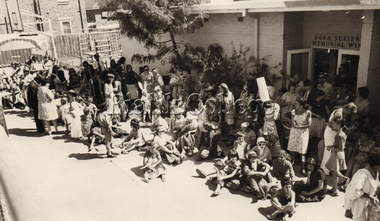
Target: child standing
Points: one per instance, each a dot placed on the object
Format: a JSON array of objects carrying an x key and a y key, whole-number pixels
[
  {"x": 240, "y": 146},
  {"x": 76, "y": 112},
  {"x": 64, "y": 113},
  {"x": 91, "y": 106},
  {"x": 87, "y": 121}
]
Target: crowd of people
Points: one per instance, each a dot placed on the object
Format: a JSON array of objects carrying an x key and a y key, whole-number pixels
[{"x": 324, "y": 130}]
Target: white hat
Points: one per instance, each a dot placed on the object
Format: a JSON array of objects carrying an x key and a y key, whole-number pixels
[
  {"x": 260, "y": 139},
  {"x": 244, "y": 125},
  {"x": 205, "y": 153}
]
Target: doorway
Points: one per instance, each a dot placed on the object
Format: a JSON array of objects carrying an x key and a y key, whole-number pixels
[{"x": 309, "y": 62}]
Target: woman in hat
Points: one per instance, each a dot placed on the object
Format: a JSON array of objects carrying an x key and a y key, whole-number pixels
[
  {"x": 47, "y": 109},
  {"x": 111, "y": 100}
]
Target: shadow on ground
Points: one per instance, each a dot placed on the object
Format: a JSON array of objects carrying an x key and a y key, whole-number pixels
[
  {"x": 29, "y": 132},
  {"x": 69, "y": 139},
  {"x": 87, "y": 156},
  {"x": 17, "y": 112},
  {"x": 138, "y": 171},
  {"x": 265, "y": 211}
]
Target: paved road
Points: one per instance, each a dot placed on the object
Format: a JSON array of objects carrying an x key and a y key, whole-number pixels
[{"x": 77, "y": 185}]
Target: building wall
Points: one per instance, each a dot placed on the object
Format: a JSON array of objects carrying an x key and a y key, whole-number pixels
[
  {"x": 373, "y": 79},
  {"x": 341, "y": 23},
  {"x": 57, "y": 13},
  {"x": 224, "y": 29},
  {"x": 293, "y": 35}
]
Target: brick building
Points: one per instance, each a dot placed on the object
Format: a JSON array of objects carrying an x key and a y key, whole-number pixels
[{"x": 67, "y": 16}]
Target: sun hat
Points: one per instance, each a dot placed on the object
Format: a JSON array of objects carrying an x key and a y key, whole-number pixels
[
  {"x": 252, "y": 153},
  {"x": 260, "y": 140}
]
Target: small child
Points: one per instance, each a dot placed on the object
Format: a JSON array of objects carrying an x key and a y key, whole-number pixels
[
  {"x": 240, "y": 146},
  {"x": 135, "y": 138},
  {"x": 87, "y": 121},
  {"x": 284, "y": 200},
  {"x": 64, "y": 113},
  {"x": 153, "y": 166},
  {"x": 91, "y": 106},
  {"x": 95, "y": 136},
  {"x": 224, "y": 175}
]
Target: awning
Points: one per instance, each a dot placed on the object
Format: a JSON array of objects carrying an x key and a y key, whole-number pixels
[{"x": 230, "y": 6}]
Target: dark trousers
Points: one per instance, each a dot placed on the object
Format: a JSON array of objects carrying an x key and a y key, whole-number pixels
[{"x": 39, "y": 124}]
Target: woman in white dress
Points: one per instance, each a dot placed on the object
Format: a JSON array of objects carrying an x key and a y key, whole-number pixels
[{"x": 299, "y": 133}]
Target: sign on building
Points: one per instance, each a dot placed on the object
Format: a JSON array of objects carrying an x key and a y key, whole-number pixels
[{"x": 336, "y": 41}]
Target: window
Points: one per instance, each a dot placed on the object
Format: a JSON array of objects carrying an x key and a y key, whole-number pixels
[
  {"x": 66, "y": 27},
  {"x": 62, "y": 2}
]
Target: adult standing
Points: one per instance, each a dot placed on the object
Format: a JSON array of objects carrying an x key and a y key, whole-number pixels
[
  {"x": 228, "y": 113},
  {"x": 337, "y": 119},
  {"x": 362, "y": 103},
  {"x": 111, "y": 100},
  {"x": 325, "y": 86},
  {"x": 297, "y": 81},
  {"x": 360, "y": 193},
  {"x": 98, "y": 64},
  {"x": 33, "y": 102},
  {"x": 129, "y": 82},
  {"x": 147, "y": 77},
  {"x": 47, "y": 109},
  {"x": 299, "y": 134},
  {"x": 287, "y": 101},
  {"x": 74, "y": 80}
]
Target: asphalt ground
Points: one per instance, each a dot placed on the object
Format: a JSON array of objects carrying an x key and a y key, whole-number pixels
[{"x": 74, "y": 184}]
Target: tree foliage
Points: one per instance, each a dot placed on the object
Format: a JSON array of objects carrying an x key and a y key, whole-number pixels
[
  {"x": 147, "y": 20},
  {"x": 212, "y": 67}
]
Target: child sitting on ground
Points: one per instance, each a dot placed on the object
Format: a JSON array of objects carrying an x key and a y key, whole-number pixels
[
  {"x": 226, "y": 174},
  {"x": 95, "y": 137},
  {"x": 135, "y": 139},
  {"x": 153, "y": 166},
  {"x": 284, "y": 200}
]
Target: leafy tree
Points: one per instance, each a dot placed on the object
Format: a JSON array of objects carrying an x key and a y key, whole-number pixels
[
  {"x": 147, "y": 20},
  {"x": 212, "y": 67}
]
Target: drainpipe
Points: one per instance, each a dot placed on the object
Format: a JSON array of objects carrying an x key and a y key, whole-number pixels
[{"x": 80, "y": 14}]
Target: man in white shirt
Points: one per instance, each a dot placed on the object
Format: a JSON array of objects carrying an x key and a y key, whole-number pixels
[{"x": 325, "y": 86}]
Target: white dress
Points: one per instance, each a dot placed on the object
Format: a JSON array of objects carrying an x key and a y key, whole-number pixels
[
  {"x": 76, "y": 124},
  {"x": 362, "y": 182}
]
